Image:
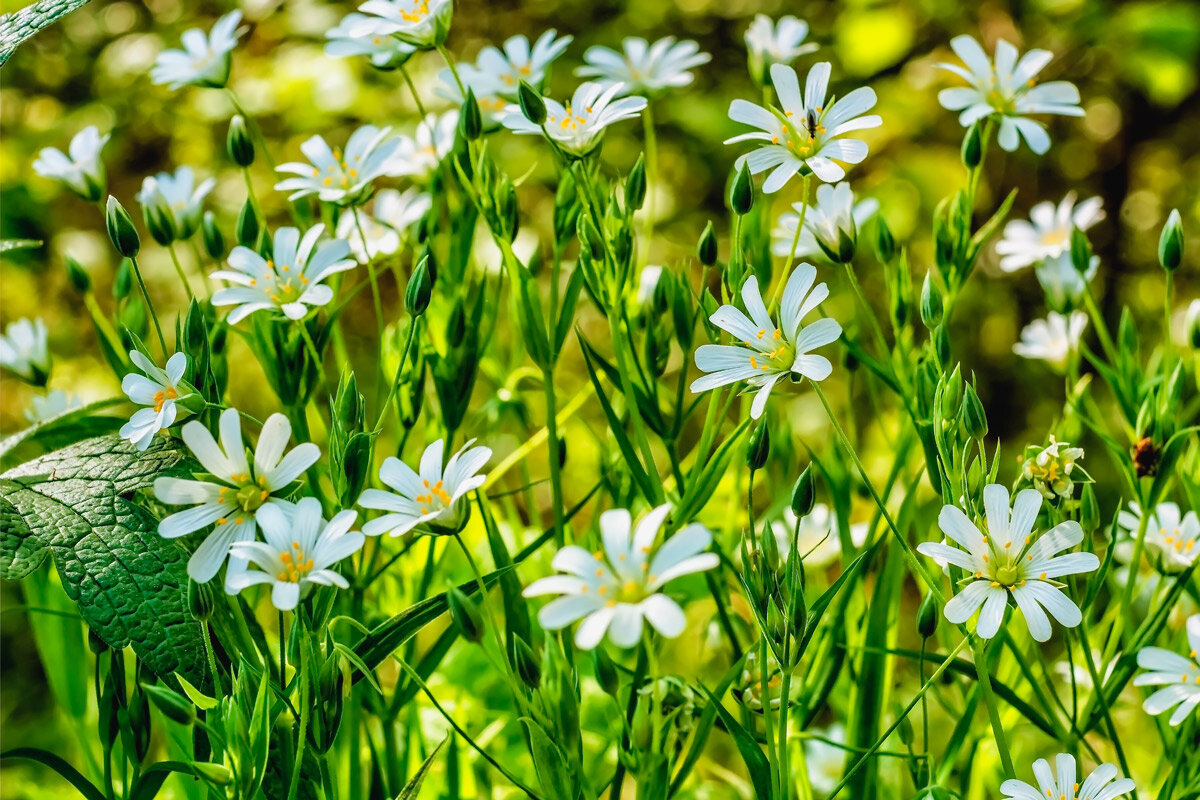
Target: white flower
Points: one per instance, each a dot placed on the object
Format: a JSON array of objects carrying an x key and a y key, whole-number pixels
[
  {"x": 1007, "y": 89},
  {"x": 25, "y": 352},
  {"x": 613, "y": 590},
  {"x": 1179, "y": 674},
  {"x": 418, "y": 156},
  {"x": 1185, "y": 326},
  {"x": 158, "y": 390},
  {"x": 825, "y": 762},
  {"x": 386, "y": 229},
  {"x": 644, "y": 68},
  {"x": 775, "y": 42},
  {"x": 431, "y": 499},
  {"x": 177, "y": 198},
  {"x": 1052, "y": 470},
  {"x": 803, "y": 133},
  {"x": 422, "y": 23},
  {"x": 578, "y": 126},
  {"x": 82, "y": 170},
  {"x": 233, "y": 492},
  {"x": 1170, "y": 534},
  {"x": 204, "y": 60},
  {"x": 50, "y": 405},
  {"x": 352, "y": 38},
  {"x": 1062, "y": 283},
  {"x": 817, "y": 539},
  {"x": 336, "y": 177},
  {"x": 299, "y": 552},
  {"x": 289, "y": 282},
  {"x": 519, "y": 62},
  {"x": 1047, "y": 234},
  {"x": 491, "y": 95},
  {"x": 769, "y": 352},
  {"x": 1053, "y": 339},
  {"x": 830, "y": 223},
  {"x": 1065, "y": 784},
  {"x": 1008, "y": 561}
]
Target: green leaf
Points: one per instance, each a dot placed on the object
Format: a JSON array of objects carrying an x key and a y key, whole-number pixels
[
  {"x": 130, "y": 584},
  {"x": 413, "y": 787},
  {"x": 702, "y": 487},
  {"x": 549, "y": 762},
  {"x": 704, "y": 725},
  {"x": 65, "y": 770},
  {"x": 62, "y": 429},
  {"x": 752, "y": 754},
  {"x": 199, "y": 699}
]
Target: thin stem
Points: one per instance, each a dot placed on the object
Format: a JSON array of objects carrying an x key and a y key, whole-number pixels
[
  {"x": 395, "y": 387},
  {"x": 651, "y": 140},
  {"x": 413, "y": 88},
  {"x": 449, "y": 59},
  {"x": 1106, "y": 342},
  {"x": 305, "y": 710},
  {"x": 876, "y": 330},
  {"x": 371, "y": 276},
  {"x": 137, "y": 271},
  {"x": 179, "y": 271},
  {"x": 779, "y": 284},
  {"x": 554, "y": 449},
  {"x": 989, "y": 699},
  {"x": 313, "y": 352}
]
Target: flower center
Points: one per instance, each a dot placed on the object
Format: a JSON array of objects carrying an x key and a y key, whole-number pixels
[
  {"x": 1056, "y": 238},
  {"x": 1178, "y": 543},
  {"x": 161, "y": 397},
  {"x": 419, "y": 12},
  {"x": 250, "y": 495},
  {"x": 1001, "y": 102},
  {"x": 1007, "y": 575},
  {"x": 435, "y": 498},
  {"x": 295, "y": 565},
  {"x": 780, "y": 357}
]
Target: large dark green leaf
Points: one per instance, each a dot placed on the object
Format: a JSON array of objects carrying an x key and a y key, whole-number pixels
[{"x": 130, "y": 583}]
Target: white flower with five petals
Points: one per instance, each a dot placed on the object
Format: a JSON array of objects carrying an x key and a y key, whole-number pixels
[
  {"x": 1053, "y": 339},
  {"x": 177, "y": 198},
  {"x": 418, "y": 156},
  {"x": 577, "y": 127},
  {"x": 337, "y": 177},
  {"x": 204, "y": 59},
  {"x": 421, "y": 23},
  {"x": 300, "y": 552},
  {"x": 80, "y": 168},
  {"x": 644, "y": 68},
  {"x": 25, "y": 351},
  {"x": 432, "y": 499},
  {"x": 804, "y": 133},
  {"x": 769, "y": 353},
  {"x": 1178, "y": 675},
  {"x": 617, "y": 588},
  {"x": 1010, "y": 561},
  {"x": 518, "y": 61},
  {"x": 1047, "y": 233},
  {"x": 1063, "y": 782},
  {"x": 351, "y": 37},
  {"x": 1171, "y": 535},
  {"x": 233, "y": 492},
  {"x": 388, "y": 226},
  {"x": 158, "y": 389},
  {"x": 833, "y": 217},
  {"x": 779, "y": 41}
]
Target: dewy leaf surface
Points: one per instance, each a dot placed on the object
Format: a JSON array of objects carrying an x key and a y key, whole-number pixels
[{"x": 130, "y": 583}]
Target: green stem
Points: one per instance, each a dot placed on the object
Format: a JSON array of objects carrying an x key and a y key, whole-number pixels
[
  {"x": 313, "y": 352},
  {"x": 876, "y": 329},
  {"x": 989, "y": 699},
  {"x": 162, "y": 340},
  {"x": 305, "y": 710},
  {"x": 449, "y": 59},
  {"x": 1135, "y": 563},
  {"x": 179, "y": 271},
  {"x": 1106, "y": 342},
  {"x": 413, "y": 89},
  {"x": 787, "y": 268},
  {"x": 651, "y": 139},
  {"x": 395, "y": 387},
  {"x": 371, "y": 276},
  {"x": 556, "y": 491}
]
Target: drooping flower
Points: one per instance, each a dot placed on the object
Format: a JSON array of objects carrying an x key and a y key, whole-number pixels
[
  {"x": 233, "y": 492},
  {"x": 1007, "y": 89},
  {"x": 578, "y": 127},
  {"x": 769, "y": 353},
  {"x": 418, "y": 156},
  {"x": 82, "y": 170},
  {"x": 644, "y": 68},
  {"x": 519, "y": 62},
  {"x": 1063, "y": 782},
  {"x": 177, "y": 199},
  {"x": 337, "y": 177},
  {"x": 421, "y": 23},
  {"x": 617, "y": 588},
  {"x": 291, "y": 281},
  {"x": 1171, "y": 535},
  {"x": 1063, "y": 284},
  {"x": 300, "y": 552},
  {"x": 353, "y": 37},
  {"x": 830, "y": 225},
  {"x": 803, "y": 134},
  {"x": 388, "y": 227},
  {"x": 432, "y": 499},
  {"x": 25, "y": 351},
  {"x": 50, "y": 405},
  {"x": 1053, "y": 339},
  {"x": 817, "y": 538},
  {"x": 204, "y": 60},
  {"x": 1009, "y": 561},
  {"x": 1052, "y": 470},
  {"x": 1047, "y": 233},
  {"x": 1179, "y": 675},
  {"x": 770, "y": 42},
  {"x": 159, "y": 390}
]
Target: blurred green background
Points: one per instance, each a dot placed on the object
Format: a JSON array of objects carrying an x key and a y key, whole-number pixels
[{"x": 1135, "y": 63}]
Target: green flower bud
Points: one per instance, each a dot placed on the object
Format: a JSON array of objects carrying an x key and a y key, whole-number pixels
[
  {"x": 214, "y": 240},
  {"x": 77, "y": 276},
  {"x": 635, "y": 185},
  {"x": 803, "y": 493},
  {"x": 173, "y": 706},
  {"x": 238, "y": 143},
  {"x": 121, "y": 232},
  {"x": 927, "y": 617},
  {"x": 972, "y": 415},
  {"x": 972, "y": 147},
  {"x": 471, "y": 120},
  {"x": 706, "y": 248},
  {"x": 1170, "y": 242},
  {"x": 419, "y": 289},
  {"x": 1089, "y": 509},
  {"x": 952, "y": 394},
  {"x": 465, "y": 614},
  {"x": 526, "y": 664},
  {"x": 1081, "y": 252},
  {"x": 941, "y": 344},
  {"x": 532, "y": 104},
  {"x": 606, "y": 672},
  {"x": 905, "y": 729},
  {"x": 212, "y": 772},
  {"x": 741, "y": 193},
  {"x": 931, "y": 303},
  {"x": 1127, "y": 334},
  {"x": 200, "y": 600},
  {"x": 885, "y": 243},
  {"x": 759, "y": 447},
  {"x": 123, "y": 281},
  {"x": 247, "y": 226},
  {"x": 159, "y": 222}
]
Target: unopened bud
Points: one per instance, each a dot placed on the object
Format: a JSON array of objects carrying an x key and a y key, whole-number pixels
[
  {"x": 238, "y": 143},
  {"x": 972, "y": 147},
  {"x": 741, "y": 194},
  {"x": 532, "y": 104},
  {"x": 635, "y": 185},
  {"x": 214, "y": 240},
  {"x": 1170, "y": 242},
  {"x": 927, "y": 617},
  {"x": 931, "y": 303},
  {"x": 472, "y": 120},
  {"x": 247, "y": 226},
  {"x": 77, "y": 276},
  {"x": 465, "y": 614},
  {"x": 803, "y": 493},
  {"x": 121, "y": 232},
  {"x": 706, "y": 248},
  {"x": 526, "y": 664},
  {"x": 759, "y": 447}
]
